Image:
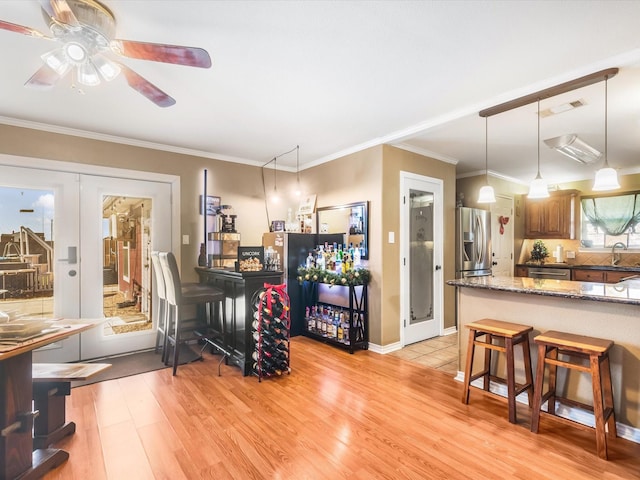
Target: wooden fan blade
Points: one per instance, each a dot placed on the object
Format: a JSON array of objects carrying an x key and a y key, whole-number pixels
[
  {"x": 60, "y": 11},
  {"x": 146, "y": 88},
  {"x": 157, "y": 52},
  {"x": 44, "y": 79},
  {"x": 12, "y": 27}
]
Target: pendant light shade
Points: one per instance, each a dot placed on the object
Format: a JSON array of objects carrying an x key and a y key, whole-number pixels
[
  {"x": 538, "y": 187},
  {"x": 606, "y": 177},
  {"x": 486, "y": 194}
]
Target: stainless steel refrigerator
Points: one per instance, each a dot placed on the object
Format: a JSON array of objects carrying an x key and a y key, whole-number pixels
[
  {"x": 473, "y": 242},
  {"x": 292, "y": 250}
]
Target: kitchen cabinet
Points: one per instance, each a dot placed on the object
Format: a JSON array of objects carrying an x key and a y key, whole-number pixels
[
  {"x": 552, "y": 217},
  {"x": 587, "y": 275},
  {"x": 603, "y": 276},
  {"x": 521, "y": 272},
  {"x": 615, "y": 276}
]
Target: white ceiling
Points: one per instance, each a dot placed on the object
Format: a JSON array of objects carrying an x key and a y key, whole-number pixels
[{"x": 338, "y": 76}]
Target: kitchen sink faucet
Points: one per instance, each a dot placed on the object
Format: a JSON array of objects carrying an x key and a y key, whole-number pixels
[{"x": 615, "y": 257}]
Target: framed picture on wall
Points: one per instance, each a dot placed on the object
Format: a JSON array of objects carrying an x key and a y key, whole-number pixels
[{"x": 212, "y": 204}]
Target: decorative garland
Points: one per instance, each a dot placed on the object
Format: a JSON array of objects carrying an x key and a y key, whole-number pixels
[{"x": 358, "y": 276}]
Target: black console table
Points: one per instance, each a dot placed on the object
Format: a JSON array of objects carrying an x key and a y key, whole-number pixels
[{"x": 235, "y": 334}]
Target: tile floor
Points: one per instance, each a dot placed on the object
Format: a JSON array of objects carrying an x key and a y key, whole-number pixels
[{"x": 440, "y": 353}]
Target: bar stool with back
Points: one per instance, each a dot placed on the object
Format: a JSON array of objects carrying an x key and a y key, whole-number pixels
[
  {"x": 179, "y": 329},
  {"x": 163, "y": 312}
]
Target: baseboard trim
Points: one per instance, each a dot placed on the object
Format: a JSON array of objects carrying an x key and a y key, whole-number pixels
[
  {"x": 384, "y": 349},
  {"x": 575, "y": 414}
]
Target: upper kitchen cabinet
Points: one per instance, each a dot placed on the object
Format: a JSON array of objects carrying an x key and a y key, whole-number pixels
[{"x": 552, "y": 217}]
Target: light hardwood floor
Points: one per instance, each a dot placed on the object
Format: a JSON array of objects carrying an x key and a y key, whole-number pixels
[{"x": 337, "y": 416}]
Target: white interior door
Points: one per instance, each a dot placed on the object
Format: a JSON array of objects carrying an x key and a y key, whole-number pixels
[
  {"x": 502, "y": 236},
  {"x": 421, "y": 235},
  {"x": 130, "y": 241}
]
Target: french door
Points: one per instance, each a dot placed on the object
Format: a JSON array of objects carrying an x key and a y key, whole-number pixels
[
  {"x": 98, "y": 224},
  {"x": 121, "y": 219},
  {"x": 421, "y": 220}
]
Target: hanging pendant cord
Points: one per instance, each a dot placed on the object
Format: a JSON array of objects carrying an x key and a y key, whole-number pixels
[
  {"x": 538, "y": 137},
  {"x": 486, "y": 148},
  {"x": 606, "y": 159}
]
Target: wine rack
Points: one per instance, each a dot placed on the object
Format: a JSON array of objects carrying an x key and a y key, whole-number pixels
[{"x": 270, "y": 329}]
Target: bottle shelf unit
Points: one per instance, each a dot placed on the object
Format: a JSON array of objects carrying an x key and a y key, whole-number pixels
[
  {"x": 351, "y": 300},
  {"x": 270, "y": 330}
]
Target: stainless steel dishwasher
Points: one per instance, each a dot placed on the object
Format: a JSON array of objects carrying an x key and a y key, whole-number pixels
[{"x": 551, "y": 273}]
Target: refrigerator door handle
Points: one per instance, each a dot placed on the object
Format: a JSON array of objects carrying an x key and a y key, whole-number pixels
[{"x": 480, "y": 243}]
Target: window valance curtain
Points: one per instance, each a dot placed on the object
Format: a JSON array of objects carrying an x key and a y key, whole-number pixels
[{"x": 613, "y": 215}]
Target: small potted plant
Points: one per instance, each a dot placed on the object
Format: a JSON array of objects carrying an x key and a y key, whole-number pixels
[{"x": 539, "y": 252}]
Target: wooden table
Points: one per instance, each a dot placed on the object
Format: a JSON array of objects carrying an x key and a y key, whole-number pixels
[{"x": 18, "y": 459}]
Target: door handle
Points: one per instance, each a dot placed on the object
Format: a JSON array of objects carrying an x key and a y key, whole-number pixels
[
  {"x": 438, "y": 267},
  {"x": 494, "y": 263},
  {"x": 72, "y": 256}
]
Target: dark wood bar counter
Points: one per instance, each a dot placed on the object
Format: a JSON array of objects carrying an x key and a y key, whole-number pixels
[{"x": 239, "y": 287}]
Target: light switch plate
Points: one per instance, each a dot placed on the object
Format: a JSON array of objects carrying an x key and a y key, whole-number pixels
[
  {"x": 571, "y": 254},
  {"x": 392, "y": 237},
  {"x": 185, "y": 239}
]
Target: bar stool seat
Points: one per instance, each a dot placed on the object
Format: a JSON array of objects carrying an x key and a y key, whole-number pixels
[
  {"x": 509, "y": 334},
  {"x": 585, "y": 354}
]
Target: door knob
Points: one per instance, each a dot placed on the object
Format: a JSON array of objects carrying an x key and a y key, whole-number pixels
[
  {"x": 494, "y": 263},
  {"x": 438, "y": 267}
]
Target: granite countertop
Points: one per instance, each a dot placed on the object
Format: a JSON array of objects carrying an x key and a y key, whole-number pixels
[
  {"x": 627, "y": 291},
  {"x": 622, "y": 268}
]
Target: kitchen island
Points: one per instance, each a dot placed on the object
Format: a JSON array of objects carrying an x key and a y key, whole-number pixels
[{"x": 609, "y": 311}]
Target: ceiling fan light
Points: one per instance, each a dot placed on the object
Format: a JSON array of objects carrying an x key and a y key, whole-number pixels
[
  {"x": 606, "y": 179},
  {"x": 538, "y": 188},
  {"x": 57, "y": 60},
  {"x": 76, "y": 52},
  {"x": 108, "y": 69},
  {"x": 88, "y": 75},
  {"x": 486, "y": 195}
]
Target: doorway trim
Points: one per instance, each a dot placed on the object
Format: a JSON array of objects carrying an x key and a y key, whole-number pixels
[{"x": 405, "y": 249}]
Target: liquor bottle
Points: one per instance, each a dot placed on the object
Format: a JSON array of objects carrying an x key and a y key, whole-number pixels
[
  {"x": 356, "y": 257},
  {"x": 320, "y": 262},
  {"x": 324, "y": 322},
  {"x": 346, "y": 330}
]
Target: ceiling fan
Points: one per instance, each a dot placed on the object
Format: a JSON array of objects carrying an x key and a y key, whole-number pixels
[{"x": 86, "y": 31}]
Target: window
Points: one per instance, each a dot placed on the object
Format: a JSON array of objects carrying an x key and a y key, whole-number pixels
[{"x": 606, "y": 220}]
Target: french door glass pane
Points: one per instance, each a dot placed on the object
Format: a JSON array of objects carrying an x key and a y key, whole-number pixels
[
  {"x": 26, "y": 252},
  {"x": 126, "y": 247}
]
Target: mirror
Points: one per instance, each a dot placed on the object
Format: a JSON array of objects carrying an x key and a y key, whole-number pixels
[{"x": 351, "y": 220}]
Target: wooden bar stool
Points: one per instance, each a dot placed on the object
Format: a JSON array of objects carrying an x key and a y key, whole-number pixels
[
  {"x": 510, "y": 334},
  {"x": 578, "y": 348}
]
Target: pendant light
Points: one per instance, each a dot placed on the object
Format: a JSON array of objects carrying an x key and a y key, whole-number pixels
[
  {"x": 538, "y": 187},
  {"x": 486, "y": 194},
  {"x": 606, "y": 177}
]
